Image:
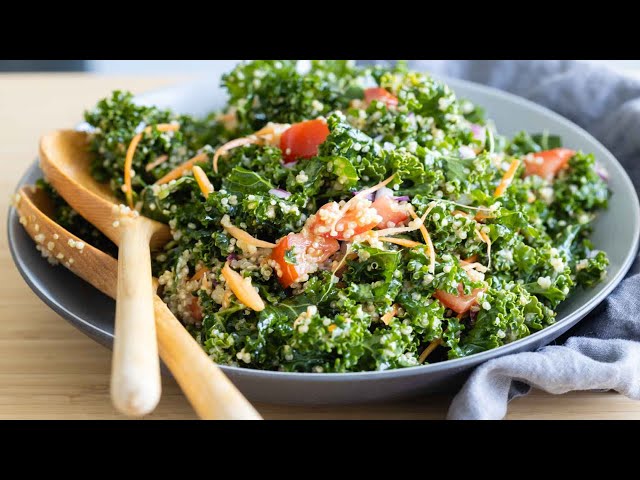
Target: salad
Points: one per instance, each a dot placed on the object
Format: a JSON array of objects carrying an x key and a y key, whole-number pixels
[{"x": 336, "y": 218}]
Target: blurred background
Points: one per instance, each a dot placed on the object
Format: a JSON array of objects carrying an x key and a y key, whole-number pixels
[{"x": 183, "y": 67}]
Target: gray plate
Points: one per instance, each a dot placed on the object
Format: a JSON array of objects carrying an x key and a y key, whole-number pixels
[{"x": 616, "y": 232}]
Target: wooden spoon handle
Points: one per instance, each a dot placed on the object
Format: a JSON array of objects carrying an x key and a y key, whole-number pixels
[
  {"x": 135, "y": 368},
  {"x": 210, "y": 392},
  {"x": 208, "y": 389}
]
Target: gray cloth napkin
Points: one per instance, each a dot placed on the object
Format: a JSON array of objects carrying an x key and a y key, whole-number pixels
[{"x": 603, "y": 351}]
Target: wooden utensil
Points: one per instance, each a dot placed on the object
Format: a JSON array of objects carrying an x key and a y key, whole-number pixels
[
  {"x": 135, "y": 372},
  {"x": 209, "y": 391}
]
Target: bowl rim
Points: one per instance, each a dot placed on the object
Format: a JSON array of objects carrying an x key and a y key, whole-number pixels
[{"x": 453, "y": 364}]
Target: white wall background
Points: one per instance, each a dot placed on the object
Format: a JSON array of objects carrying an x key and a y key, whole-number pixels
[
  {"x": 160, "y": 67},
  {"x": 186, "y": 67}
]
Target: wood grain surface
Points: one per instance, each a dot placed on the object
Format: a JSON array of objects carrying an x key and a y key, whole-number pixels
[{"x": 50, "y": 370}]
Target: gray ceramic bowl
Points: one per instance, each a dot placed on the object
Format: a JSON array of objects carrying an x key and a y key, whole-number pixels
[{"x": 616, "y": 232}]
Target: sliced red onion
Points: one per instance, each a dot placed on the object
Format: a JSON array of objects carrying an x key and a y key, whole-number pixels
[
  {"x": 278, "y": 192},
  {"x": 384, "y": 192},
  {"x": 368, "y": 197},
  {"x": 479, "y": 132},
  {"x": 403, "y": 198},
  {"x": 290, "y": 165},
  {"x": 232, "y": 256},
  {"x": 602, "y": 172},
  {"x": 466, "y": 152}
]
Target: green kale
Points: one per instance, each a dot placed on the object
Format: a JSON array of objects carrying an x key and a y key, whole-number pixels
[
  {"x": 593, "y": 269},
  {"x": 290, "y": 256},
  {"x": 275, "y": 91},
  {"x": 116, "y": 120}
]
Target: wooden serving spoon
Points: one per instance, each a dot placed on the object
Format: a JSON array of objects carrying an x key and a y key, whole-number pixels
[
  {"x": 135, "y": 371},
  {"x": 208, "y": 389}
]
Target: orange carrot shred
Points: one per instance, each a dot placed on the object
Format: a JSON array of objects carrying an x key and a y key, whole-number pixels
[
  {"x": 199, "y": 274},
  {"x": 430, "y": 348},
  {"x": 180, "y": 169},
  {"x": 507, "y": 178},
  {"x": 203, "y": 181},
  {"x": 427, "y": 238},
  {"x": 158, "y": 161},
  {"x": 242, "y": 289},
  {"x": 403, "y": 242},
  {"x": 387, "y": 317},
  {"x": 128, "y": 159},
  {"x": 471, "y": 259}
]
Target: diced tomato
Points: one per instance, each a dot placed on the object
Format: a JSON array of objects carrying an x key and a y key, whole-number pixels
[
  {"x": 195, "y": 310},
  {"x": 351, "y": 223},
  {"x": 302, "y": 140},
  {"x": 320, "y": 223},
  {"x": 458, "y": 303},
  {"x": 390, "y": 211},
  {"x": 308, "y": 251},
  {"x": 321, "y": 249},
  {"x": 552, "y": 162},
  {"x": 349, "y": 226},
  {"x": 378, "y": 93},
  {"x": 289, "y": 272}
]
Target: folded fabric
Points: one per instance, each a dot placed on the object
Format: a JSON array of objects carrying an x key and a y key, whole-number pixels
[{"x": 603, "y": 350}]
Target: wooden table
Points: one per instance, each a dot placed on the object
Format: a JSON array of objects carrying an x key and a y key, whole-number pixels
[{"x": 50, "y": 370}]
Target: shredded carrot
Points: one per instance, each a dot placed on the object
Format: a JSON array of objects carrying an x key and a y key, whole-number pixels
[
  {"x": 128, "y": 159},
  {"x": 158, "y": 161},
  {"x": 427, "y": 238},
  {"x": 403, "y": 242},
  {"x": 229, "y": 146},
  {"x": 242, "y": 289},
  {"x": 180, "y": 169},
  {"x": 485, "y": 238},
  {"x": 203, "y": 181},
  {"x": 430, "y": 348},
  {"x": 332, "y": 327},
  {"x": 270, "y": 134},
  {"x": 240, "y": 234},
  {"x": 507, "y": 178},
  {"x": 199, "y": 274},
  {"x": 481, "y": 216},
  {"x": 387, "y": 317},
  {"x": 471, "y": 259}
]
